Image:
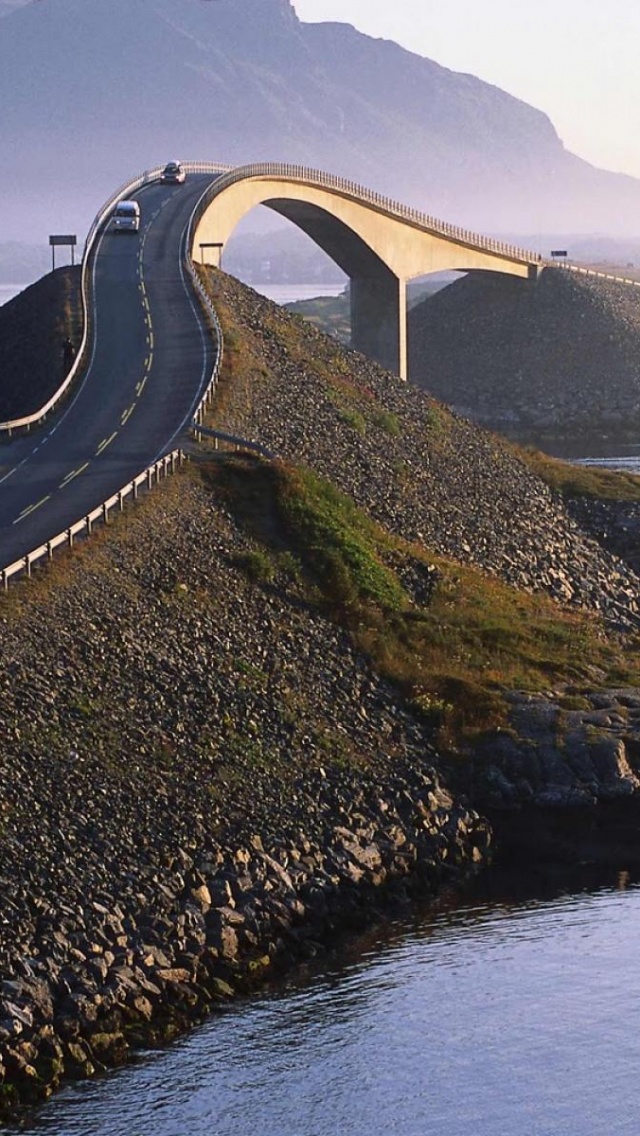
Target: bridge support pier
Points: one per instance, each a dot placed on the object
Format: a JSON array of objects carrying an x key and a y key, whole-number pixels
[{"x": 379, "y": 318}]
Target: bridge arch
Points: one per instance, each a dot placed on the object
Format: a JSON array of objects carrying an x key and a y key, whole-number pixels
[{"x": 380, "y": 244}]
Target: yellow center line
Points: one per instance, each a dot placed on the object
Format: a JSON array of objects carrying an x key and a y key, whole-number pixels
[
  {"x": 70, "y": 476},
  {"x": 127, "y": 414},
  {"x": 31, "y": 509},
  {"x": 106, "y": 442}
]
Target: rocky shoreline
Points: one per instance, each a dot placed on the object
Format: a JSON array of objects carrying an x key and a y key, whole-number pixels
[
  {"x": 202, "y": 783},
  {"x": 570, "y": 752},
  {"x": 105, "y": 978},
  {"x": 203, "y": 779}
]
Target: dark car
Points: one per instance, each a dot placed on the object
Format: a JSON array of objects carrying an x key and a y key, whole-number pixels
[{"x": 172, "y": 174}]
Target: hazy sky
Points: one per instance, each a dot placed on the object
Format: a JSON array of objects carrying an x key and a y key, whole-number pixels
[{"x": 577, "y": 60}]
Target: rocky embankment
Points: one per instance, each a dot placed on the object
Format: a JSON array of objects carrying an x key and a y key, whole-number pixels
[
  {"x": 561, "y": 784},
  {"x": 33, "y": 328},
  {"x": 556, "y": 360},
  {"x": 200, "y": 779},
  {"x": 562, "y": 752},
  {"x": 420, "y": 470}
]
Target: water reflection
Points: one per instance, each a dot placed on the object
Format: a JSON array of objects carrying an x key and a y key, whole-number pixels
[{"x": 498, "y": 1014}]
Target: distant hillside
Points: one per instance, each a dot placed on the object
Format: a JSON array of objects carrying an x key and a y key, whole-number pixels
[
  {"x": 557, "y": 361},
  {"x": 279, "y": 258},
  {"x": 244, "y": 80}
]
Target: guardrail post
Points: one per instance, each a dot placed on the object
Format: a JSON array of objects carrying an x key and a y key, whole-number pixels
[
  {"x": 105, "y": 513},
  {"x": 49, "y": 550},
  {"x": 89, "y": 523},
  {"x": 27, "y": 566},
  {"x": 5, "y": 581},
  {"x": 70, "y": 538},
  {"x": 149, "y": 478},
  {"x": 121, "y": 501},
  {"x": 134, "y": 490}
]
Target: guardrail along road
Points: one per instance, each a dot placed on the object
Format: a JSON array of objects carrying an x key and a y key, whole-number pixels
[{"x": 150, "y": 362}]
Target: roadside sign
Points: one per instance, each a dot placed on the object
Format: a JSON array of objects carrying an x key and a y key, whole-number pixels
[{"x": 56, "y": 239}]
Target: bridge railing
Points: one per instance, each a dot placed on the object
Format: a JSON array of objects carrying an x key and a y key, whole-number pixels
[
  {"x": 125, "y": 190},
  {"x": 211, "y": 314},
  {"x": 167, "y": 464},
  {"x": 583, "y": 270},
  {"x": 81, "y": 357},
  {"x": 320, "y": 179}
]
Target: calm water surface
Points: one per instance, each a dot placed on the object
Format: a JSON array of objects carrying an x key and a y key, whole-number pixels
[
  {"x": 493, "y": 1018},
  {"x": 287, "y": 293},
  {"x": 501, "y": 1019}
]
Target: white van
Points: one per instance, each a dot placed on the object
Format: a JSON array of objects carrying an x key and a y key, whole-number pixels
[{"x": 126, "y": 217}]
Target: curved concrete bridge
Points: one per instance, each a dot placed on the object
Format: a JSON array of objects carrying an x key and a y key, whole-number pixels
[{"x": 380, "y": 244}]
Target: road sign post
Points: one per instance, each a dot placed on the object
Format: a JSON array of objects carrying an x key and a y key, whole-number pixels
[
  {"x": 62, "y": 239},
  {"x": 211, "y": 245}
]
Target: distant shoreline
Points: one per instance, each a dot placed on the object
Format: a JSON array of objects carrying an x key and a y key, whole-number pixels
[{"x": 279, "y": 293}]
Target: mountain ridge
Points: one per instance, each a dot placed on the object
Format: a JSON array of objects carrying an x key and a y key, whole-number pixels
[{"x": 247, "y": 80}]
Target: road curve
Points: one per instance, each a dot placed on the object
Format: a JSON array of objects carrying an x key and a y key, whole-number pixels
[{"x": 150, "y": 362}]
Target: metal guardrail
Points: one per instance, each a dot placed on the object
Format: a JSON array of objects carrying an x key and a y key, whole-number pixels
[
  {"x": 234, "y": 440},
  {"x": 583, "y": 271},
  {"x": 84, "y": 526},
  {"x": 125, "y": 190},
  {"x": 228, "y": 176},
  {"x": 165, "y": 465},
  {"x": 79, "y": 362},
  {"x": 168, "y": 463},
  {"x": 321, "y": 180}
]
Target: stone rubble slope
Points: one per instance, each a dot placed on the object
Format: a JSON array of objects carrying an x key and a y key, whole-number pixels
[
  {"x": 560, "y": 357},
  {"x": 199, "y": 780},
  {"x": 33, "y": 328},
  {"x": 436, "y": 479}
]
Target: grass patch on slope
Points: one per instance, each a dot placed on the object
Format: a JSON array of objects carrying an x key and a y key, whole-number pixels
[
  {"x": 358, "y": 407},
  {"x": 582, "y": 480},
  {"x": 454, "y": 655}
]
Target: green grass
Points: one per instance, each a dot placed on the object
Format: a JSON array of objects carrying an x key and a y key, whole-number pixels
[
  {"x": 477, "y": 638},
  {"x": 257, "y": 564},
  {"x": 354, "y": 420},
  {"x": 337, "y": 543},
  {"x": 388, "y": 422},
  {"x": 582, "y": 480},
  {"x": 455, "y": 658}
]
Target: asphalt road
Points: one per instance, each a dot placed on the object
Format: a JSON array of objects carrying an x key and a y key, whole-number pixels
[{"x": 152, "y": 359}]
